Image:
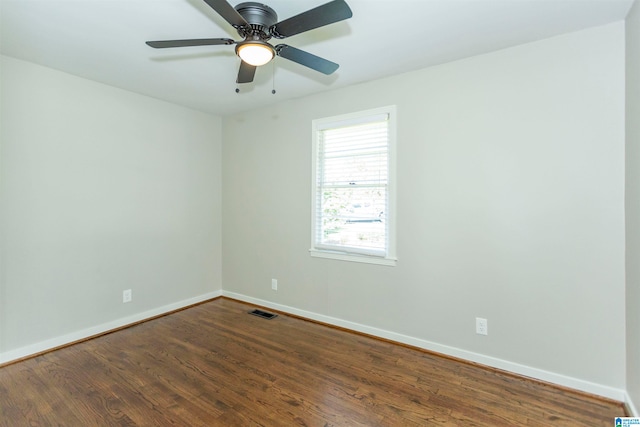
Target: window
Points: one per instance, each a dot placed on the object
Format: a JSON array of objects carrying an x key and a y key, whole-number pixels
[{"x": 353, "y": 187}]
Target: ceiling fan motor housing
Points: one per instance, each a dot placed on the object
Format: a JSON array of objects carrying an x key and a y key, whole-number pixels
[{"x": 259, "y": 16}]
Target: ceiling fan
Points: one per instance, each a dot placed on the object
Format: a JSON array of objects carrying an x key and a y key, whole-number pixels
[{"x": 257, "y": 23}]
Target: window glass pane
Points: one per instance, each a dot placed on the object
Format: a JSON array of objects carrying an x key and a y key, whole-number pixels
[{"x": 354, "y": 217}]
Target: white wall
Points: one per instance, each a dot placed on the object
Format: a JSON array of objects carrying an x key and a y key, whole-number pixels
[
  {"x": 633, "y": 204},
  {"x": 511, "y": 207},
  {"x": 102, "y": 190},
  {"x": 510, "y": 201}
]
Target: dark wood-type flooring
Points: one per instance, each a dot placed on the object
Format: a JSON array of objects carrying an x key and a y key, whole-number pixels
[{"x": 215, "y": 365}]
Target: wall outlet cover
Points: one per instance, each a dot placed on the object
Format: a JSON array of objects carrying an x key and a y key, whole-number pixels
[{"x": 482, "y": 326}]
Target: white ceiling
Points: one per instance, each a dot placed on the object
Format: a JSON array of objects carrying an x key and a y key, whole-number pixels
[{"x": 103, "y": 40}]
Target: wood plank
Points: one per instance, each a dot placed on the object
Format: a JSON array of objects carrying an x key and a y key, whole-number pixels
[{"x": 214, "y": 364}]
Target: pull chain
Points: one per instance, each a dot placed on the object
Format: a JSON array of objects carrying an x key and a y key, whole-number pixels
[{"x": 273, "y": 78}]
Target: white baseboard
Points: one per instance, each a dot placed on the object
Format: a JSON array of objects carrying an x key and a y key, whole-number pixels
[
  {"x": 551, "y": 377},
  {"x": 49, "y": 344},
  {"x": 562, "y": 380},
  {"x": 630, "y": 406}
]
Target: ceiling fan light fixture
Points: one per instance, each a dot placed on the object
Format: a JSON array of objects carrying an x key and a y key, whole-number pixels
[{"x": 255, "y": 53}]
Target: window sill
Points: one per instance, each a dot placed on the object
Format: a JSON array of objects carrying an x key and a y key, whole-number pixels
[{"x": 343, "y": 256}]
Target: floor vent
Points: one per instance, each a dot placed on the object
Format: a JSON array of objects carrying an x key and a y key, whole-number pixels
[{"x": 263, "y": 314}]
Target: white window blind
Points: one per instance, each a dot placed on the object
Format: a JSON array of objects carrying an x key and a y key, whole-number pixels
[{"x": 352, "y": 212}]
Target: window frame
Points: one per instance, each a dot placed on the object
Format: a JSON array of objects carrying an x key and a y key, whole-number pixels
[{"x": 317, "y": 249}]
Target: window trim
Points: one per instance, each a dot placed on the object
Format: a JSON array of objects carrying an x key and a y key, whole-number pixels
[{"x": 316, "y": 250}]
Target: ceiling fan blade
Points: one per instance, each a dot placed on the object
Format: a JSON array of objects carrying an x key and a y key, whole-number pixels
[
  {"x": 307, "y": 59},
  {"x": 246, "y": 73},
  {"x": 160, "y": 44},
  {"x": 227, "y": 11},
  {"x": 328, "y": 13}
]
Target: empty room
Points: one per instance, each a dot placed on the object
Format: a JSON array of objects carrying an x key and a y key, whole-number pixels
[{"x": 342, "y": 213}]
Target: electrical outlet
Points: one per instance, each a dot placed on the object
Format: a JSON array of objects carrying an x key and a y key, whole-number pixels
[
  {"x": 126, "y": 295},
  {"x": 274, "y": 284},
  {"x": 482, "y": 326}
]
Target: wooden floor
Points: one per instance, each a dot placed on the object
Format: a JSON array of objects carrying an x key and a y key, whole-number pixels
[{"x": 216, "y": 365}]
